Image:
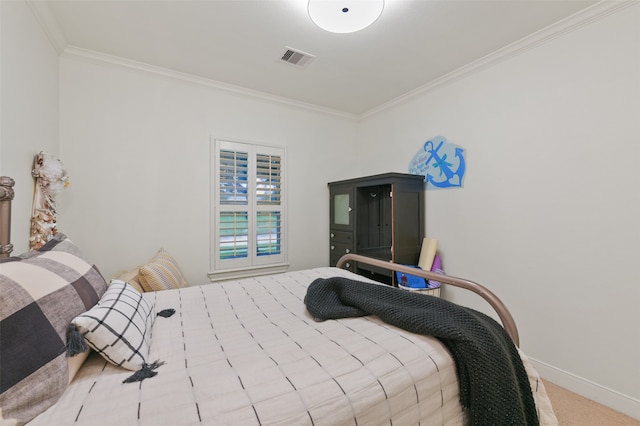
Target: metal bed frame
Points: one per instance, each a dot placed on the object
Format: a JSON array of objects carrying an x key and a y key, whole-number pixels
[
  {"x": 503, "y": 313},
  {"x": 6, "y": 196}
]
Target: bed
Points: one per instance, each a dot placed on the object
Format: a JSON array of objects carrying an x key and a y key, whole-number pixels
[{"x": 239, "y": 352}]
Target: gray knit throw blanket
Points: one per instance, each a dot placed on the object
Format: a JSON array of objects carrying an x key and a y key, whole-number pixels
[{"x": 494, "y": 387}]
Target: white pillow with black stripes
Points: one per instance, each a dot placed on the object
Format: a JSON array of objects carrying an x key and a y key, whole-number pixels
[{"x": 119, "y": 326}]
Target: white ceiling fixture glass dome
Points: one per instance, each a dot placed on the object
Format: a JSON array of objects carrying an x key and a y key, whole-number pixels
[{"x": 344, "y": 16}]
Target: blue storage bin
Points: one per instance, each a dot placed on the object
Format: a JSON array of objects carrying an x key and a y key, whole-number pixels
[{"x": 407, "y": 280}]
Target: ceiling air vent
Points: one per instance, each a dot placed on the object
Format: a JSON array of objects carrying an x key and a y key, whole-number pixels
[{"x": 296, "y": 57}]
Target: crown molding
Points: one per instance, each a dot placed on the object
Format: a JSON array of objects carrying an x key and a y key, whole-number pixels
[
  {"x": 571, "y": 23},
  {"x": 45, "y": 18},
  {"x": 586, "y": 16},
  {"x": 98, "y": 57}
]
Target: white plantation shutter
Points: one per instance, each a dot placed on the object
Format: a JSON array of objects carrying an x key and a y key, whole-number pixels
[
  {"x": 268, "y": 199},
  {"x": 234, "y": 175},
  {"x": 268, "y": 179},
  {"x": 234, "y": 234},
  {"x": 248, "y": 211}
]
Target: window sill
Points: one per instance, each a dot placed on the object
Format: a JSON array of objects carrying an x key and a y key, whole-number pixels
[{"x": 232, "y": 274}]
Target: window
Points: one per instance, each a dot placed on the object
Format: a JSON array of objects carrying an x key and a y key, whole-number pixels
[{"x": 248, "y": 209}]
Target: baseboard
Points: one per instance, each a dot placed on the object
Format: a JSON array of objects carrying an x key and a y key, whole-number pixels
[{"x": 605, "y": 396}]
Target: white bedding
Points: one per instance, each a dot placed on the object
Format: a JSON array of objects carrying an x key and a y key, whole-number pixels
[{"x": 247, "y": 352}]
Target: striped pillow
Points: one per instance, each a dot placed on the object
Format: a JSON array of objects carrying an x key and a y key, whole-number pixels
[
  {"x": 119, "y": 326},
  {"x": 161, "y": 273},
  {"x": 40, "y": 293},
  {"x": 132, "y": 278}
]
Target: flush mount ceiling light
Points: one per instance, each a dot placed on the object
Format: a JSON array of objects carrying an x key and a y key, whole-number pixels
[{"x": 344, "y": 16}]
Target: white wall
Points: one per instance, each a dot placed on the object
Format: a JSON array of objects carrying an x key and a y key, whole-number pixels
[
  {"x": 552, "y": 140},
  {"x": 548, "y": 216},
  {"x": 29, "y": 107},
  {"x": 137, "y": 146}
]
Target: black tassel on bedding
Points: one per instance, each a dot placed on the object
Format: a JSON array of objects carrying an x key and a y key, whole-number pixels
[
  {"x": 494, "y": 386},
  {"x": 166, "y": 313},
  {"x": 75, "y": 341},
  {"x": 145, "y": 372}
]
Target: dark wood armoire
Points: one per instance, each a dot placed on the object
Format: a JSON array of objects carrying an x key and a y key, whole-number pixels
[{"x": 380, "y": 216}]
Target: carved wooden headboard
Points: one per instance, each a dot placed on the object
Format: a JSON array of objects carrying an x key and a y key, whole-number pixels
[{"x": 6, "y": 196}]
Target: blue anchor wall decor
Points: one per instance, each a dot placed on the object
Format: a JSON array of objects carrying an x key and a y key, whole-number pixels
[{"x": 442, "y": 163}]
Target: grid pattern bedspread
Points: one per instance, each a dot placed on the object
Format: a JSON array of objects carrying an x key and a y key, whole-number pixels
[{"x": 247, "y": 353}]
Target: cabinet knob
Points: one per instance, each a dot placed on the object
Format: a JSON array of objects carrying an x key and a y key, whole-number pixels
[
  {"x": 348, "y": 265},
  {"x": 350, "y": 209},
  {"x": 333, "y": 247},
  {"x": 347, "y": 251},
  {"x": 333, "y": 235}
]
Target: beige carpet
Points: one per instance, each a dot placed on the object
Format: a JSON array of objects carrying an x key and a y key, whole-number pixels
[{"x": 574, "y": 410}]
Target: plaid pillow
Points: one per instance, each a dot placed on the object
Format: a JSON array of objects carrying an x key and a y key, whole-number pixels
[
  {"x": 119, "y": 326},
  {"x": 40, "y": 292}
]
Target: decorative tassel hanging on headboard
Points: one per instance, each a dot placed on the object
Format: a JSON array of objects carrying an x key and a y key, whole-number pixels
[{"x": 51, "y": 178}]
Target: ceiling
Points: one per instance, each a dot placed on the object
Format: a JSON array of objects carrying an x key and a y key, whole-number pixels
[{"x": 240, "y": 42}]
